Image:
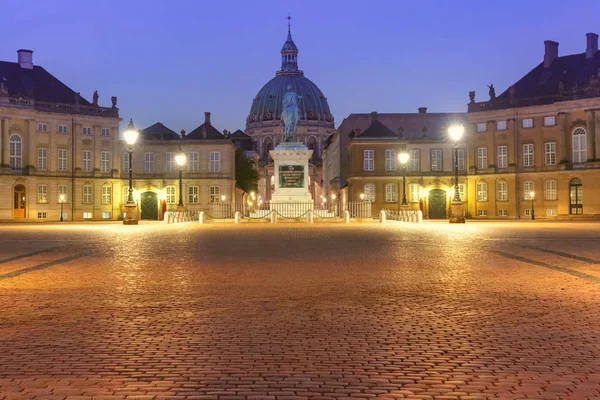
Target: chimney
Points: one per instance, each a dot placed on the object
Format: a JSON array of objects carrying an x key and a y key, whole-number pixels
[
  {"x": 592, "y": 45},
  {"x": 25, "y": 58},
  {"x": 373, "y": 117},
  {"x": 550, "y": 52},
  {"x": 422, "y": 110},
  {"x": 207, "y": 117}
]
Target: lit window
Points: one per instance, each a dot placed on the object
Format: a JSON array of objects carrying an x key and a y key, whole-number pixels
[
  {"x": 86, "y": 130},
  {"x": 170, "y": 191},
  {"x": 549, "y": 121},
  {"x": 215, "y": 194},
  {"x": 482, "y": 162},
  {"x": 369, "y": 191},
  {"x": 528, "y": 187},
  {"x": 62, "y": 129},
  {"x": 482, "y": 194},
  {"x": 62, "y": 159},
  {"x": 391, "y": 193},
  {"x": 414, "y": 160},
  {"x": 502, "y": 213},
  {"x": 106, "y": 194},
  {"x": 502, "y": 156},
  {"x": 390, "y": 160},
  {"x": 414, "y": 193},
  {"x": 550, "y": 153},
  {"x": 15, "y": 155},
  {"x": 42, "y": 164},
  {"x": 501, "y": 125},
  {"x": 149, "y": 163},
  {"x": 528, "y": 159},
  {"x": 43, "y": 127},
  {"x": 501, "y": 191},
  {"x": 579, "y": 146},
  {"x": 481, "y": 127},
  {"x": 461, "y": 191},
  {"x": 87, "y": 161},
  {"x": 87, "y": 194},
  {"x": 193, "y": 196},
  {"x": 62, "y": 190},
  {"x": 87, "y": 215},
  {"x": 106, "y": 215},
  {"x": 106, "y": 132},
  {"x": 550, "y": 190},
  {"x": 527, "y": 123},
  {"x": 436, "y": 160},
  {"x": 105, "y": 165},
  {"x": 42, "y": 194},
  {"x": 369, "y": 160},
  {"x": 215, "y": 161},
  {"x": 193, "y": 160},
  {"x": 551, "y": 212},
  {"x": 482, "y": 213}
]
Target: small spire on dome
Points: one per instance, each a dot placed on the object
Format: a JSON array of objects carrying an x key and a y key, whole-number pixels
[
  {"x": 289, "y": 18},
  {"x": 289, "y": 52}
]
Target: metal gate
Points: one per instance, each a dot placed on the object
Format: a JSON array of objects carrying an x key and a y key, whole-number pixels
[
  {"x": 149, "y": 204},
  {"x": 437, "y": 204}
]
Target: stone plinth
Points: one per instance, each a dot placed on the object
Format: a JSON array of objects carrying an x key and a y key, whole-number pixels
[{"x": 457, "y": 213}]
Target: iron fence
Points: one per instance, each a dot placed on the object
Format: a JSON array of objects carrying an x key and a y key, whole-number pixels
[{"x": 360, "y": 209}]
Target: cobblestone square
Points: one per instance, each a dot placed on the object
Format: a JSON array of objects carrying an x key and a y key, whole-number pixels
[{"x": 297, "y": 311}]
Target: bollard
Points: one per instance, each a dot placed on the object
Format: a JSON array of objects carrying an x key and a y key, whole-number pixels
[
  {"x": 309, "y": 217},
  {"x": 201, "y": 217},
  {"x": 419, "y": 216},
  {"x": 273, "y": 217},
  {"x": 382, "y": 217},
  {"x": 238, "y": 216},
  {"x": 413, "y": 217},
  {"x": 347, "y": 216},
  {"x": 166, "y": 217},
  {"x": 171, "y": 217}
]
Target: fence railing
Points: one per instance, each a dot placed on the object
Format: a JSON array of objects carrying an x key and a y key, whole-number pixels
[
  {"x": 173, "y": 217},
  {"x": 404, "y": 215},
  {"x": 360, "y": 209}
]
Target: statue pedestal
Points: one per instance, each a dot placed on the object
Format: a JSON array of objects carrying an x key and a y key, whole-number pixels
[
  {"x": 291, "y": 197},
  {"x": 457, "y": 213},
  {"x": 130, "y": 217}
]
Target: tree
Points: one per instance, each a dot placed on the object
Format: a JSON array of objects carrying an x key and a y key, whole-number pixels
[{"x": 245, "y": 174}]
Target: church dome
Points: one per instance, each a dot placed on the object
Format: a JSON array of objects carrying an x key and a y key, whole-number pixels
[{"x": 267, "y": 104}]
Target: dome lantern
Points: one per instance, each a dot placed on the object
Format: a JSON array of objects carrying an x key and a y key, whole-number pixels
[{"x": 289, "y": 52}]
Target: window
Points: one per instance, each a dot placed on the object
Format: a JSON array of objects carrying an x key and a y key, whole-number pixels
[
  {"x": 528, "y": 212},
  {"x": 62, "y": 159},
  {"x": 501, "y": 125},
  {"x": 42, "y": 215},
  {"x": 106, "y": 194},
  {"x": 42, "y": 194},
  {"x": 482, "y": 213},
  {"x": 369, "y": 191},
  {"x": 482, "y": 162},
  {"x": 575, "y": 196},
  {"x": 528, "y": 155},
  {"x": 528, "y": 187},
  {"x": 502, "y": 213},
  {"x": 551, "y": 212},
  {"x": 215, "y": 194},
  {"x": 461, "y": 191},
  {"x": 502, "y": 156},
  {"x": 194, "y": 162},
  {"x": 390, "y": 160},
  {"x": 527, "y": 123},
  {"x": 62, "y": 129},
  {"x": 170, "y": 191},
  {"x": 87, "y": 194},
  {"x": 481, "y": 127},
  {"x": 62, "y": 190},
  {"x": 482, "y": 194},
  {"x": 43, "y": 127},
  {"x": 149, "y": 163},
  {"x": 170, "y": 162},
  {"x": 369, "y": 160},
  {"x": 549, "y": 121},
  {"x": 106, "y": 215},
  {"x": 193, "y": 194},
  {"x": 461, "y": 159},
  {"x": 86, "y": 130},
  {"x": 87, "y": 215},
  {"x": 579, "y": 146},
  {"x": 126, "y": 162},
  {"x": 215, "y": 161},
  {"x": 414, "y": 160},
  {"x": 436, "y": 159},
  {"x": 501, "y": 191},
  {"x": 414, "y": 193},
  {"x": 106, "y": 132},
  {"x": 550, "y": 153},
  {"x": 550, "y": 190},
  {"x": 87, "y": 161},
  {"x": 105, "y": 165},
  {"x": 42, "y": 163},
  {"x": 15, "y": 152},
  {"x": 391, "y": 193}
]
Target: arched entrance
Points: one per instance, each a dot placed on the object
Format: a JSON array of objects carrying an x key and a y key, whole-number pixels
[
  {"x": 149, "y": 204},
  {"x": 575, "y": 197},
  {"x": 19, "y": 201},
  {"x": 437, "y": 204}
]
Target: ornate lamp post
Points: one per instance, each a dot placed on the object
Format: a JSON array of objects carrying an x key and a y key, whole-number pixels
[
  {"x": 403, "y": 157},
  {"x": 180, "y": 160},
  {"x": 130, "y": 135},
  {"x": 532, "y": 196},
  {"x": 456, "y": 132},
  {"x": 61, "y": 200}
]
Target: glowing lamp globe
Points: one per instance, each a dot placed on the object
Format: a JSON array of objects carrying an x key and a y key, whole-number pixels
[
  {"x": 456, "y": 132},
  {"x": 531, "y": 194},
  {"x": 130, "y": 134},
  {"x": 403, "y": 157},
  {"x": 180, "y": 159}
]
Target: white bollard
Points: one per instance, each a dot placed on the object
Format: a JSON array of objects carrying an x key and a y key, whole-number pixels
[
  {"x": 382, "y": 216},
  {"x": 413, "y": 217},
  {"x": 166, "y": 217},
  {"x": 171, "y": 217},
  {"x": 201, "y": 217},
  {"x": 238, "y": 216},
  {"x": 310, "y": 217},
  {"x": 273, "y": 217},
  {"x": 347, "y": 216},
  {"x": 419, "y": 216}
]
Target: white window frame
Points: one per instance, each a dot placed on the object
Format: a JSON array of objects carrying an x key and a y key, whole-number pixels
[
  {"x": 88, "y": 196},
  {"x": 149, "y": 163},
  {"x": 414, "y": 160},
  {"x": 105, "y": 132},
  {"x": 369, "y": 191},
  {"x": 390, "y": 160},
  {"x": 369, "y": 160},
  {"x": 194, "y": 161},
  {"x": 63, "y": 129},
  {"x": 528, "y": 155},
  {"x": 391, "y": 193},
  {"x": 106, "y": 214},
  {"x": 106, "y": 194},
  {"x": 87, "y": 215},
  {"x": 214, "y": 161},
  {"x": 502, "y": 156},
  {"x": 461, "y": 191},
  {"x": 579, "y": 142},
  {"x": 527, "y": 123},
  {"x": 86, "y": 165},
  {"x": 86, "y": 131},
  {"x": 193, "y": 195},
  {"x": 502, "y": 190},
  {"x": 550, "y": 189},
  {"x": 63, "y": 189},
  {"x": 171, "y": 194},
  {"x": 437, "y": 160},
  {"x": 482, "y": 159},
  {"x": 503, "y": 213},
  {"x": 461, "y": 159},
  {"x": 550, "y": 120},
  {"x": 42, "y": 193},
  {"x": 482, "y": 213},
  {"x": 551, "y": 212},
  {"x": 42, "y": 127},
  {"x": 214, "y": 194},
  {"x": 105, "y": 161},
  {"x": 126, "y": 162},
  {"x": 550, "y": 153},
  {"x": 170, "y": 162},
  {"x": 42, "y": 162},
  {"x": 414, "y": 192},
  {"x": 62, "y": 159},
  {"x": 481, "y": 127},
  {"x": 42, "y": 215},
  {"x": 501, "y": 125},
  {"x": 528, "y": 187},
  {"x": 482, "y": 191},
  {"x": 16, "y": 152}
]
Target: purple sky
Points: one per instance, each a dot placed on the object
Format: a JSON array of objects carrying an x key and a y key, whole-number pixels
[{"x": 170, "y": 61}]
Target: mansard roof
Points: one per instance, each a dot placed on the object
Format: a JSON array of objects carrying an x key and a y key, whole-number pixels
[{"x": 159, "y": 132}]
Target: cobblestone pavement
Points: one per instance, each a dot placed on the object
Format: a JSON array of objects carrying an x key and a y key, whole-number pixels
[{"x": 321, "y": 311}]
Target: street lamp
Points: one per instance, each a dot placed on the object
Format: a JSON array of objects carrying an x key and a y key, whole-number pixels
[
  {"x": 180, "y": 160},
  {"x": 223, "y": 197},
  {"x": 456, "y": 133},
  {"x": 362, "y": 196},
  {"x": 532, "y": 196},
  {"x": 130, "y": 135},
  {"x": 61, "y": 200},
  {"x": 403, "y": 157}
]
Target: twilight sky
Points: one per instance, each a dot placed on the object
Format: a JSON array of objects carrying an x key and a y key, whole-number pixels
[{"x": 170, "y": 61}]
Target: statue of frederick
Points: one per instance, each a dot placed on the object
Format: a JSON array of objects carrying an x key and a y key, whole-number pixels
[{"x": 290, "y": 114}]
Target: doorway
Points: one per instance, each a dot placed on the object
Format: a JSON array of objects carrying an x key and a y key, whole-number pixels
[
  {"x": 576, "y": 197},
  {"x": 437, "y": 204},
  {"x": 19, "y": 201},
  {"x": 149, "y": 204}
]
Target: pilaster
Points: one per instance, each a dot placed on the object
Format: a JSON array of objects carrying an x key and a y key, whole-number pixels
[
  {"x": 562, "y": 151},
  {"x": 591, "y": 135}
]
